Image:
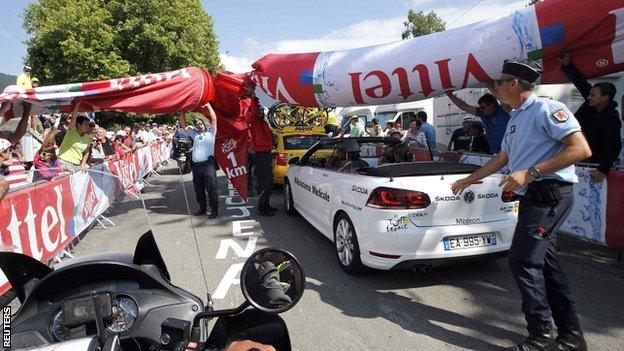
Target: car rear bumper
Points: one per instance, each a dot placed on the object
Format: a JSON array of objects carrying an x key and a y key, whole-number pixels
[
  {"x": 451, "y": 261},
  {"x": 425, "y": 245}
]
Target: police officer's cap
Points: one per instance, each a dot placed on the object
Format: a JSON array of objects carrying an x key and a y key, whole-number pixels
[{"x": 528, "y": 70}]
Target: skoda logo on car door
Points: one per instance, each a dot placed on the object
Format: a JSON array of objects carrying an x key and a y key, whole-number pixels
[{"x": 469, "y": 196}]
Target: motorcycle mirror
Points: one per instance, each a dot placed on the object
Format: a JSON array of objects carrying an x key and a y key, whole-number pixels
[
  {"x": 272, "y": 280},
  {"x": 294, "y": 160}
]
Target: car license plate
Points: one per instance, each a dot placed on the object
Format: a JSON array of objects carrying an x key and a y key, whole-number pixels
[{"x": 468, "y": 241}]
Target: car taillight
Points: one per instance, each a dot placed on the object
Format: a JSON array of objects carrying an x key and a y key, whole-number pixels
[
  {"x": 417, "y": 199},
  {"x": 281, "y": 159},
  {"x": 398, "y": 198},
  {"x": 509, "y": 196}
]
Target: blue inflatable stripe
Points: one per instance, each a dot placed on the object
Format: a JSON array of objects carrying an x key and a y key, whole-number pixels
[
  {"x": 553, "y": 34},
  {"x": 305, "y": 77}
]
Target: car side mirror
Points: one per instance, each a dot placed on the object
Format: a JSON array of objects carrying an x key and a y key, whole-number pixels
[
  {"x": 294, "y": 160},
  {"x": 272, "y": 280}
]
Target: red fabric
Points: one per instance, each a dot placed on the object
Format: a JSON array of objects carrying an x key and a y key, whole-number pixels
[
  {"x": 186, "y": 89},
  {"x": 589, "y": 33},
  {"x": 232, "y": 142},
  {"x": 614, "y": 234},
  {"x": 260, "y": 131},
  {"x": 287, "y": 75}
]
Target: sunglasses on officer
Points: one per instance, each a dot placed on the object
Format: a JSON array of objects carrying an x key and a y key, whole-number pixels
[{"x": 499, "y": 82}]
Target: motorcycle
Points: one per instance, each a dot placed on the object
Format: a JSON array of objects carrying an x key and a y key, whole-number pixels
[
  {"x": 182, "y": 153},
  {"x": 127, "y": 301}
]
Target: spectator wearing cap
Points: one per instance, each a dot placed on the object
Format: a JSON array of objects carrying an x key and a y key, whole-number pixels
[
  {"x": 599, "y": 119},
  {"x": 76, "y": 145},
  {"x": 24, "y": 79},
  {"x": 542, "y": 142},
  {"x": 34, "y": 82},
  {"x": 493, "y": 115},
  {"x": 428, "y": 130},
  {"x": 461, "y": 138},
  {"x": 357, "y": 130}
]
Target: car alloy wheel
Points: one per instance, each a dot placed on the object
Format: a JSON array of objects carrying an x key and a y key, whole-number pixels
[
  {"x": 344, "y": 242},
  {"x": 346, "y": 245}
]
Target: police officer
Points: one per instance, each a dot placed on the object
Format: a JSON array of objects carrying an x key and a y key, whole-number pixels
[
  {"x": 542, "y": 142},
  {"x": 204, "y": 162}
]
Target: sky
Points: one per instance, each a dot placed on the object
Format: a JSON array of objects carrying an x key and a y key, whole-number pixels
[{"x": 249, "y": 29}]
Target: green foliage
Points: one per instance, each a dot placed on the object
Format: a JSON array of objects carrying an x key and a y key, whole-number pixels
[
  {"x": 419, "y": 23},
  {"x": 84, "y": 40},
  {"x": 6, "y": 80}
]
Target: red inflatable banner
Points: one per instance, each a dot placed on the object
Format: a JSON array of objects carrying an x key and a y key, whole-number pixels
[
  {"x": 186, "y": 89},
  {"x": 232, "y": 144},
  {"x": 424, "y": 67}
]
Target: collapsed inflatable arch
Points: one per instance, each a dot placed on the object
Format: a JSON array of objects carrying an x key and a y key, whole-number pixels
[{"x": 424, "y": 67}]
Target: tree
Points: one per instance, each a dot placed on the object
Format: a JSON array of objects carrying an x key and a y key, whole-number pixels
[
  {"x": 533, "y": 2},
  {"x": 83, "y": 40},
  {"x": 419, "y": 24}
]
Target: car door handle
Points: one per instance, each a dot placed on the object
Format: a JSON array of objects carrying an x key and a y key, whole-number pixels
[{"x": 324, "y": 175}]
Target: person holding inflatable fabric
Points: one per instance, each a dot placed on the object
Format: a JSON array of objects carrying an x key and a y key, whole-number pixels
[
  {"x": 599, "y": 119},
  {"x": 493, "y": 115},
  {"x": 75, "y": 148},
  {"x": 542, "y": 142},
  {"x": 204, "y": 162}
]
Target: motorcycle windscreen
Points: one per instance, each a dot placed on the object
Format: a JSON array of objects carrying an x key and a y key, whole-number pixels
[{"x": 54, "y": 216}]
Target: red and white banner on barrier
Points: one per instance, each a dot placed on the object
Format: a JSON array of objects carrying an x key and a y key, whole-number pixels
[{"x": 41, "y": 220}]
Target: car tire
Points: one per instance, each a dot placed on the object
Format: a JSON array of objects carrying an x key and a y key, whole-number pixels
[
  {"x": 346, "y": 245},
  {"x": 289, "y": 204}
]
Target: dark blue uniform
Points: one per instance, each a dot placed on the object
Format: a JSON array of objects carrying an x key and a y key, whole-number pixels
[{"x": 534, "y": 135}]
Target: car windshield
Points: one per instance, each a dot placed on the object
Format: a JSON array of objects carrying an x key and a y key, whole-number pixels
[{"x": 302, "y": 142}]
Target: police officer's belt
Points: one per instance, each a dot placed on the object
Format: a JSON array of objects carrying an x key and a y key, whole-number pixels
[
  {"x": 547, "y": 191},
  {"x": 210, "y": 161}
]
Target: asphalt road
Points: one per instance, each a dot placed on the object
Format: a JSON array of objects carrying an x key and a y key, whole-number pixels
[{"x": 474, "y": 306}]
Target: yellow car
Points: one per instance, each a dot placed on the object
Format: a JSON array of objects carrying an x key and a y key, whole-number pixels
[{"x": 290, "y": 142}]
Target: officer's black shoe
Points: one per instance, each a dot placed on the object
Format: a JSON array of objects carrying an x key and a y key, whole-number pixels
[
  {"x": 537, "y": 342},
  {"x": 199, "y": 212},
  {"x": 571, "y": 341},
  {"x": 213, "y": 214}
]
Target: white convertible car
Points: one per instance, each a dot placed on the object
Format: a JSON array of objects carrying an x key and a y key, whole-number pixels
[{"x": 389, "y": 215}]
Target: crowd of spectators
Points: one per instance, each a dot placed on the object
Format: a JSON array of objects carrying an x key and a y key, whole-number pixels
[{"x": 59, "y": 144}]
